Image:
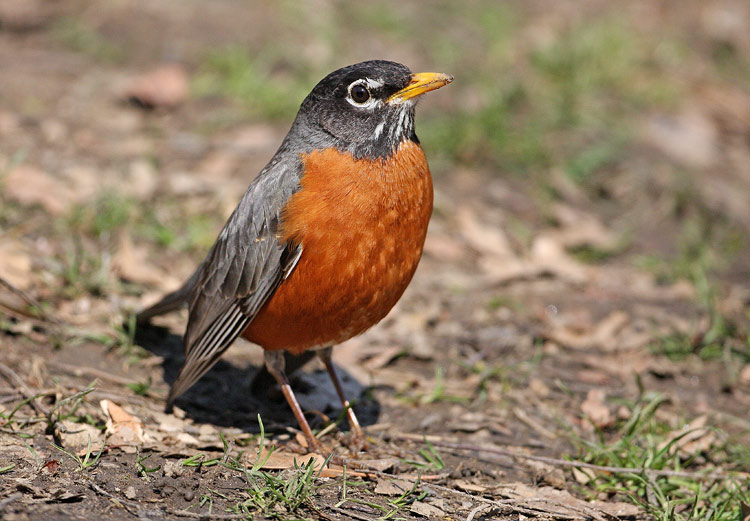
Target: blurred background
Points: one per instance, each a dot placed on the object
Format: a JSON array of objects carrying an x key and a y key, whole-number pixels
[{"x": 591, "y": 163}]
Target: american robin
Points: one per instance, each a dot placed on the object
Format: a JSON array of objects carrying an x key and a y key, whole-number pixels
[{"x": 326, "y": 238}]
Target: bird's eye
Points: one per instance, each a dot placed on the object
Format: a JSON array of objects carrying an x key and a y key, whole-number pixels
[{"x": 359, "y": 93}]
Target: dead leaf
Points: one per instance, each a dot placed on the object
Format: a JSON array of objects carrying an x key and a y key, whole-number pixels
[
  {"x": 426, "y": 510},
  {"x": 693, "y": 438},
  {"x": 539, "y": 388},
  {"x": 485, "y": 238},
  {"x": 548, "y": 255},
  {"x": 142, "y": 180},
  {"x": 469, "y": 487},
  {"x": 392, "y": 487},
  {"x": 122, "y": 428},
  {"x": 132, "y": 264},
  {"x": 76, "y": 436},
  {"x": 51, "y": 466},
  {"x": 603, "y": 335},
  {"x": 381, "y": 465},
  {"x": 335, "y": 471},
  {"x": 15, "y": 263},
  {"x": 689, "y": 138},
  {"x": 384, "y": 357},
  {"x": 546, "y": 473},
  {"x": 444, "y": 247},
  {"x": 562, "y": 503},
  {"x": 745, "y": 375},
  {"x": 165, "y": 86},
  {"x": 29, "y": 185},
  {"x": 62, "y": 495},
  {"x": 169, "y": 422},
  {"x": 594, "y": 408},
  {"x": 300, "y": 438},
  {"x": 582, "y": 476},
  {"x": 618, "y": 509},
  {"x": 581, "y": 228},
  {"x": 187, "y": 439},
  {"x": 282, "y": 460}
]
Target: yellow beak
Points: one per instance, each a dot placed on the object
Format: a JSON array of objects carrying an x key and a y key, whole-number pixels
[{"x": 420, "y": 83}]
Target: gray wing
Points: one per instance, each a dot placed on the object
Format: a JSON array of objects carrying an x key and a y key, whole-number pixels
[{"x": 240, "y": 273}]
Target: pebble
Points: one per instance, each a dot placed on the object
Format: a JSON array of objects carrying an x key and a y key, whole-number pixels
[{"x": 130, "y": 492}]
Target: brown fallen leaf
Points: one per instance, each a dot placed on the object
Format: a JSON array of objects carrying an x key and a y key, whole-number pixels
[
  {"x": 546, "y": 473},
  {"x": 381, "y": 465},
  {"x": 392, "y": 487},
  {"x": 469, "y": 487},
  {"x": 603, "y": 335},
  {"x": 444, "y": 247},
  {"x": 132, "y": 264},
  {"x": 76, "y": 437},
  {"x": 165, "y": 86},
  {"x": 51, "y": 466},
  {"x": 384, "y": 357},
  {"x": 426, "y": 510},
  {"x": 15, "y": 263},
  {"x": 30, "y": 185},
  {"x": 122, "y": 428},
  {"x": 690, "y": 138},
  {"x": 745, "y": 375},
  {"x": 336, "y": 472},
  {"x": 562, "y": 503},
  {"x": 693, "y": 438},
  {"x": 583, "y": 476},
  {"x": 618, "y": 509},
  {"x": 594, "y": 408},
  {"x": 282, "y": 460}
]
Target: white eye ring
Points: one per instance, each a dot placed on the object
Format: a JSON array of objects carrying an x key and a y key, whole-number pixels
[
  {"x": 371, "y": 102},
  {"x": 356, "y": 94}
]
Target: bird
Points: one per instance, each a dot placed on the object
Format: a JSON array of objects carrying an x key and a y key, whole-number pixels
[{"x": 326, "y": 238}]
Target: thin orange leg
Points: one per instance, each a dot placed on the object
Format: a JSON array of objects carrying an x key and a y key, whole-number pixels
[
  {"x": 275, "y": 365},
  {"x": 359, "y": 435}
]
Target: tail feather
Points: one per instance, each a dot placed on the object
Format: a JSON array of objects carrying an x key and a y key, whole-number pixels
[{"x": 171, "y": 301}]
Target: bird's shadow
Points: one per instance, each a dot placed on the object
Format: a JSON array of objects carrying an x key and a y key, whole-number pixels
[{"x": 232, "y": 396}]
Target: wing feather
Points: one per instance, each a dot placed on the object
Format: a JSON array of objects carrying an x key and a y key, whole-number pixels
[{"x": 240, "y": 273}]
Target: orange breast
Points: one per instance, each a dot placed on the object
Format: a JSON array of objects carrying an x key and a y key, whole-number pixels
[{"x": 362, "y": 225}]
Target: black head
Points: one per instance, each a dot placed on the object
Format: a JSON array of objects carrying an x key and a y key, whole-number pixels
[{"x": 367, "y": 108}]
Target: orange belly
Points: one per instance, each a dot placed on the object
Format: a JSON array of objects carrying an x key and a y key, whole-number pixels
[{"x": 362, "y": 225}]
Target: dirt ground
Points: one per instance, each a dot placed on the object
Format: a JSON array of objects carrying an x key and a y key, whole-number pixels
[{"x": 558, "y": 338}]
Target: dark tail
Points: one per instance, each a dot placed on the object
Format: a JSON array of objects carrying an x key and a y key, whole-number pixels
[{"x": 171, "y": 301}]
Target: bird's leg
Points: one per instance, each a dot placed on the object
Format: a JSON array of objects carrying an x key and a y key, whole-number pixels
[
  {"x": 359, "y": 435},
  {"x": 275, "y": 365}
]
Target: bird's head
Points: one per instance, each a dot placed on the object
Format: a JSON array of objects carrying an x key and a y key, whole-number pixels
[{"x": 368, "y": 108}]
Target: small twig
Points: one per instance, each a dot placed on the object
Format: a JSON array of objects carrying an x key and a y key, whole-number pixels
[
  {"x": 16, "y": 380},
  {"x": 567, "y": 463},
  {"x": 187, "y": 513},
  {"x": 93, "y": 372},
  {"x": 124, "y": 502},
  {"x": 538, "y": 427},
  {"x": 10, "y": 398},
  {"x": 31, "y": 301},
  {"x": 523, "y": 505},
  {"x": 474, "y": 512},
  {"x": 351, "y": 514},
  {"x": 10, "y": 499}
]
